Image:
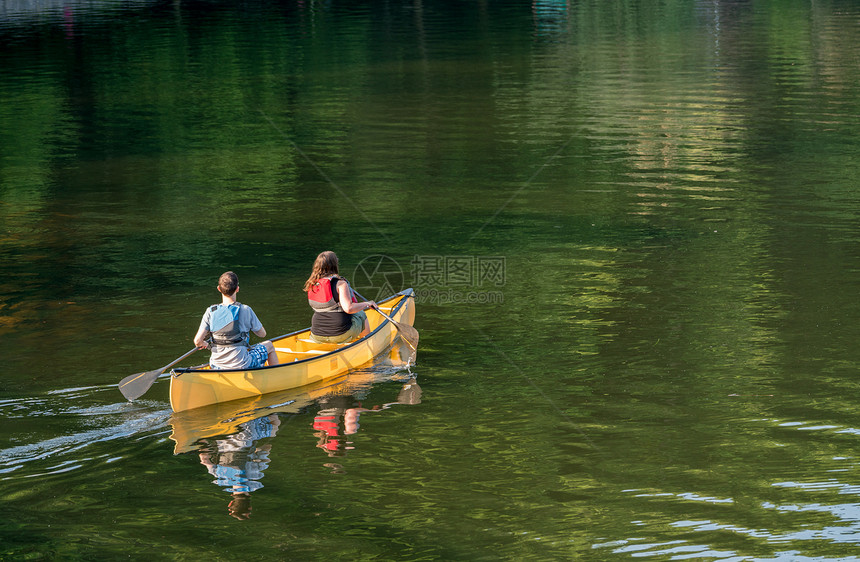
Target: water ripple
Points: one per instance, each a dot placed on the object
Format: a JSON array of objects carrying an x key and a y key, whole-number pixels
[{"x": 116, "y": 421}]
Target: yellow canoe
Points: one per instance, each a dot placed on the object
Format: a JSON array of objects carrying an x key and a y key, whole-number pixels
[{"x": 302, "y": 361}]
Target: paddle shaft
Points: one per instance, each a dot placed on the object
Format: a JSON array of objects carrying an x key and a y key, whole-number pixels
[
  {"x": 135, "y": 386},
  {"x": 410, "y": 334}
]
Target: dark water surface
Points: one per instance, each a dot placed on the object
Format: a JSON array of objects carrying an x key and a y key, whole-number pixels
[{"x": 632, "y": 226}]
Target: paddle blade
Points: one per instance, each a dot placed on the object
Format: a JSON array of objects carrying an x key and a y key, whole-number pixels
[
  {"x": 135, "y": 386},
  {"x": 409, "y": 335}
]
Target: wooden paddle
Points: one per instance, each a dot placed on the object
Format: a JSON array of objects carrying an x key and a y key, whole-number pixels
[
  {"x": 135, "y": 386},
  {"x": 409, "y": 334}
]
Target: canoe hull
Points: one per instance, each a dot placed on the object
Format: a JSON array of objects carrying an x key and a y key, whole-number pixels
[
  {"x": 226, "y": 418},
  {"x": 303, "y": 362}
]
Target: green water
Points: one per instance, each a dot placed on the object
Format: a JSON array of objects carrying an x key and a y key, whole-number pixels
[{"x": 632, "y": 228}]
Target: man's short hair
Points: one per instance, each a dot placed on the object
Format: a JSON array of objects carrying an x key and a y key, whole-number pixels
[{"x": 228, "y": 283}]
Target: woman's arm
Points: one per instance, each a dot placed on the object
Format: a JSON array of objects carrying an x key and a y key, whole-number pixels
[{"x": 344, "y": 292}]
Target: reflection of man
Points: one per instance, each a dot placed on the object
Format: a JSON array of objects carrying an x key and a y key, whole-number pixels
[
  {"x": 240, "y": 506},
  {"x": 238, "y": 465}
]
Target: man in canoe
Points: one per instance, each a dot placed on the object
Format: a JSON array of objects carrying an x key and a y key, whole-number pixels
[
  {"x": 225, "y": 330},
  {"x": 338, "y": 316}
]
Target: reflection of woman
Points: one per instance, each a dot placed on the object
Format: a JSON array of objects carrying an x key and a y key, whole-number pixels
[
  {"x": 338, "y": 316},
  {"x": 238, "y": 465},
  {"x": 327, "y": 426},
  {"x": 409, "y": 394},
  {"x": 346, "y": 409}
]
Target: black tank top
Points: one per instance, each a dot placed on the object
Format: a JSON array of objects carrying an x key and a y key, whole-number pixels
[{"x": 328, "y": 324}]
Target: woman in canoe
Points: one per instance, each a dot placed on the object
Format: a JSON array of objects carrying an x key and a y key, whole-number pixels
[
  {"x": 338, "y": 316},
  {"x": 225, "y": 329}
]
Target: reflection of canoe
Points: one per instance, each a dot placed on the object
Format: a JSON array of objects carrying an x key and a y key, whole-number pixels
[
  {"x": 302, "y": 361},
  {"x": 224, "y": 418}
]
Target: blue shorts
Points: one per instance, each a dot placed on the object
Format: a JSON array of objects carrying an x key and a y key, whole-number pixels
[{"x": 257, "y": 355}]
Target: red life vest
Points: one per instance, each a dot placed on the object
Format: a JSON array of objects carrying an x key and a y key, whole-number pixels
[{"x": 323, "y": 299}]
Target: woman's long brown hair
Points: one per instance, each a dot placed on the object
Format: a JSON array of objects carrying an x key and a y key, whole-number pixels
[{"x": 324, "y": 265}]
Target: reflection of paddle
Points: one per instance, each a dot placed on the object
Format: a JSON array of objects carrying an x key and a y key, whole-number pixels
[
  {"x": 409, "y": 334},
  {"x": 135, "y": 386}
]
